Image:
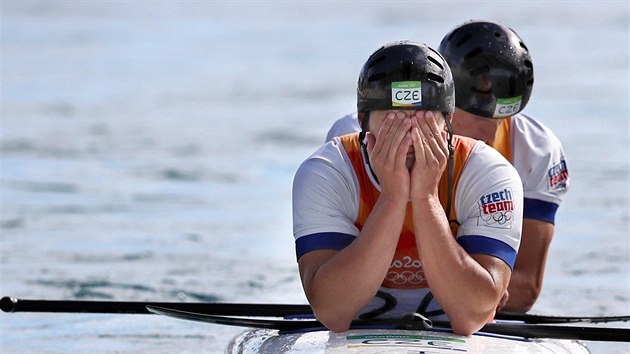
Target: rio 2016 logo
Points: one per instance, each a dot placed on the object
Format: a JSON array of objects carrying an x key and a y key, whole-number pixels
[{"x": 405, "y": 271}]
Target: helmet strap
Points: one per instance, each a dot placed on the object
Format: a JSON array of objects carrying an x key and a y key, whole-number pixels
[
  {"x": 451, "y": 165},
  {"x": 364, "y": 127}
]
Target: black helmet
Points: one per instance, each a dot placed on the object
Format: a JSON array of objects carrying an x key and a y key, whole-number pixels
[
  {"x": 492, "y": 68},
  {"x": 405, "y": 75}
]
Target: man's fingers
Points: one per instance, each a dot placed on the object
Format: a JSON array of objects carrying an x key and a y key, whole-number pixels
[
  {"x": 434, "y": 141},
  {"x": 419, "y": 144},
  {"x": 371, "y": 140}
]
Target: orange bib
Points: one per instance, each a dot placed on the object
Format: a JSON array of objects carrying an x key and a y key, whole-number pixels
[{"x": 405, "y": 271}]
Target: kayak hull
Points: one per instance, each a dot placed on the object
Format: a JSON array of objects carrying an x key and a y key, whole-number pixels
[{"x": 372, "y": 341}]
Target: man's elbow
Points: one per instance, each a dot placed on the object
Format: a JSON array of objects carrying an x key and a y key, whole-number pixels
[
  {"x": 335, "y": 322},
  {"x": 331, "y": 318},
  {"x": 338, "y": 327},
  {"x": 466, "y": 327},
  {"x": 471, "y": 322},
  {"x": 522, "y": 300},
  {"x": 526, "y": 301}
]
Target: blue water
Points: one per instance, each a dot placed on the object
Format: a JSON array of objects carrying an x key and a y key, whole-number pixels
[{"x": 148, "y": 150}]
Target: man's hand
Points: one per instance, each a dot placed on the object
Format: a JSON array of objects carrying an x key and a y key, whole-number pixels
[
  {"x": 431, "y": 152},
  {"x": 388, "y": 154}
]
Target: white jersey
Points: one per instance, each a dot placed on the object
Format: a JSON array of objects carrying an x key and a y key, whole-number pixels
[
  {"x": 537, "y": 155},
  {"x": 533, "y": 150},
  {"x": 344, "y": 125},
  {"x": 326, "y": 198}
]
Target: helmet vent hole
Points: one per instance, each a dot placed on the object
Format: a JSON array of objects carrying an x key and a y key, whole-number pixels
[
  {"x": 497, "y": 34},
  {"x": 463, "y": 40},
  {"x": 473, "y": 53},
  {"x": 481, "y": 70},
  {"x": 453, "y": 34},
  {"x": 523, "y": 45},
  {"x": 377, "y": 77},
  {"x": 530, "y": 82},
  {"x": 376, "y": 61},
  {"x": 528, "y": 64},
  {"x": 436, "y": 62},
  {"x": 435, "y": 77}
]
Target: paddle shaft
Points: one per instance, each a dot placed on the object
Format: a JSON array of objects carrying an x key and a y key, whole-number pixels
[
  {"x": 510, "y": 329},
  {"x": 529, "y": 318},
  {"x": 8, "y": 304},
  {"x": 559, "y": 332},
  {"x": 218, "y": 310}
]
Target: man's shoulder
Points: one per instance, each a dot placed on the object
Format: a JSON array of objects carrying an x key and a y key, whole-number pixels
[
  {"x": 484, "y": 161},
  {"x": 331, "y": 155},
  {"x": 478, "y": 149},
  {"x": 534, "y": 139},
  {"x": 464, "y": 140},
  {"x": 344, "y": 125},
  {"x": 532, "y": 129}
]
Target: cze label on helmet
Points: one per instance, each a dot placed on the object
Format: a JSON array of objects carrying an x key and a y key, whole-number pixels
[
  {"x": 406, "y": 94},
  {"x": 507, "y": 106}
]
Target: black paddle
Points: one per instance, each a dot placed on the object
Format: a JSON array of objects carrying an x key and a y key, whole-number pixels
[
  {"x": 220, "y": 310},
  {"x": 510, "y": 329},
  {"x": 9, "y": 304},
  {"x": 529, "y": 318}
]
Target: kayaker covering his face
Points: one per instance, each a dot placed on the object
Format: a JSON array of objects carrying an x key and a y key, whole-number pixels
[{"x": 429, "y": 221}]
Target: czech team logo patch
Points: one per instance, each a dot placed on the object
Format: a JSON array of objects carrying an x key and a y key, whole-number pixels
[
  {"x": 497, "y": 209},
  {"x": 558, "y": 177}
]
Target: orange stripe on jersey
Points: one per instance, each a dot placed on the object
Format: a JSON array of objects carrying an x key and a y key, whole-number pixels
[
  {"x": 501, "y": 141},
  {"x": 405, "y": 271}
]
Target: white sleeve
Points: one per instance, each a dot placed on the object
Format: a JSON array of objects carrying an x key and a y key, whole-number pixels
[
  {"x": 344, "y": 125},
  {"x": 325, "y": 194},
  {"x": 539, "y": 159},
  {"x": 489, "y": 205}
]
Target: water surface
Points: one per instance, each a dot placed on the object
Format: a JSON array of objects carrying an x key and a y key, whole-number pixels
[{"x": 148, "y": 149}]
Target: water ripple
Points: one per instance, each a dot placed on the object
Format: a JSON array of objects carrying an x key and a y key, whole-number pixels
[
  {"x": 43, "y": 187},
  {"x": 288, "y": 138},
  {"x": 189, "y": 295},
  {"x": 11, "y": 223},
  {"x": 87, "y": 288}
]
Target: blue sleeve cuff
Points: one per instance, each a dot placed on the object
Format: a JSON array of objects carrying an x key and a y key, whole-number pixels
[
  {"x": 485, "y": 245},
  {"x": 540, "y": 210},
  {"x": 322, "y": 241}
]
